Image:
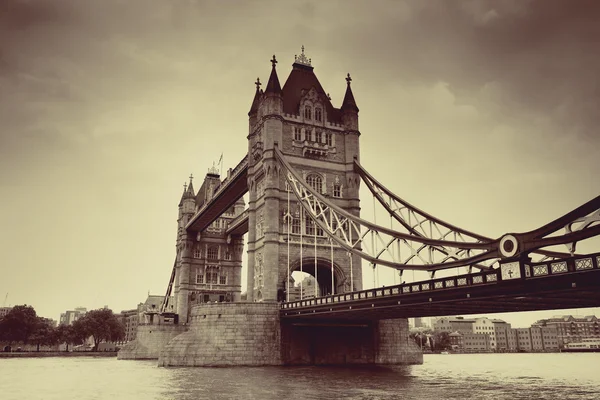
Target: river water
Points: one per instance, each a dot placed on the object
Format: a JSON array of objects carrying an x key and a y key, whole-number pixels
[{"x": 455, "y": 376}]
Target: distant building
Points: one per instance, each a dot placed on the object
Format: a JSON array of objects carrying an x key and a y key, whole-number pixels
[
  {"x": 304, "y": 290},
  {"x": 4, "y": 311},
  {"x": 148, "y": 310},
  {"x": 571, "y": 329},
  {"x": 129, "y": 319},
  {"x": 454, "y": 324},
  {"x": 419, "y": 323},
  {"x": 68, "y": 317}
]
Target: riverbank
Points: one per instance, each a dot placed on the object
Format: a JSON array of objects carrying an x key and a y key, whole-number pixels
[{"x": 35, "y": 354}]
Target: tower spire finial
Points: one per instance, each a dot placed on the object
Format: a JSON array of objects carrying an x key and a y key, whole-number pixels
[
  {"x": 191, "y": 177},
  {"x": 348, "y": 79},
  {"x": 273, "y": 61},
  {"x": 302, "y": 59},
  {"x": 257, "y": 83}
]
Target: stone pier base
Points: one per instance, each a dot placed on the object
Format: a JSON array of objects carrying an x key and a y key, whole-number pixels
[
  {"x": 339, "y": 343},
  {"x": 252, "y": 334},
  {"x": 149, "y": 341},
  {"x": 227, "y": 334}
]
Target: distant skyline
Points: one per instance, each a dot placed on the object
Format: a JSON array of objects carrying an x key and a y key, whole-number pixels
[{"x": 482, "y": 113}]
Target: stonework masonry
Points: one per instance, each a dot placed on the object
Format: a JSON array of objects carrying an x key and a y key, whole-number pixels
[
  {"x": 251, "y": 334},
  {"x": 227, "y": 334},
  {"x": 149, "y": 341}
]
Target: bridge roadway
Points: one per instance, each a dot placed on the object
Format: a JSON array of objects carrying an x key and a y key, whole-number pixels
[
  {"x": 568, "y": 283},
  {"x": 229, "y": 191}
]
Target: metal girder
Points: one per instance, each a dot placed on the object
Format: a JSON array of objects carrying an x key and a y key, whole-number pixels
[
  {"x": 424, "y": 251},
  {"x": 380, "y": 245},
  {"x": 420, "y": 223},
  {"x": 165, "y": 302}
]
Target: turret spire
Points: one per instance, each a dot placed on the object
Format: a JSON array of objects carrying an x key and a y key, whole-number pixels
[
  {"x": 190, "y": 188},
  {"x": 256, "y": 100},
  {"x": 349, "y": 104},
  {"x": 273, "y": 85}
]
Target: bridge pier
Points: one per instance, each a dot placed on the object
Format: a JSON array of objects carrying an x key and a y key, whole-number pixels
[
  {"x": 252, "y": 334},
  {"x": 149, "y": 341},
  {"x": 340, "y": 343}
]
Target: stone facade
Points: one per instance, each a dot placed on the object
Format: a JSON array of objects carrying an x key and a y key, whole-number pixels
[
  {"x": 149, "y": 341},
  {"x": 227, "y": 334},
  {"x": 208, "y": 264}
]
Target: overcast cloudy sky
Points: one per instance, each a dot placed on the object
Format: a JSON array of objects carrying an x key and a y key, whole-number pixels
[{"x": 483, "y": 113}]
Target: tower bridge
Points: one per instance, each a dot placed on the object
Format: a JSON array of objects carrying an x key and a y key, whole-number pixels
[{"x": 302, "y": 175}]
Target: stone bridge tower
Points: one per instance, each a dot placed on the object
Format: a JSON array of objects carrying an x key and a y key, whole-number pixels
[
  {"x": 208, "y": 264},
  {"x": 321, "y": 143}
]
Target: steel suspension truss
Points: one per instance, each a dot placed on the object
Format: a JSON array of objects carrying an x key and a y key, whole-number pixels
[
  {"x": 430, "y": 243},
  {"x": 420, "y": 223}
]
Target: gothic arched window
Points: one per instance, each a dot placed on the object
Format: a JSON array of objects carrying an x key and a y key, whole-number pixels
[
  {"x": 315, "y": 182},
  {"x": 307, "y": 112},
  {"x": 318, "y": 114}
]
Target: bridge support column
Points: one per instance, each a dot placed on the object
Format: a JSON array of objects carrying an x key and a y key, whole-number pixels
[
  {"x": 227, "y": 334},
  {"x": 371, "y": 342},
  {"x": 393, "y": 345}
]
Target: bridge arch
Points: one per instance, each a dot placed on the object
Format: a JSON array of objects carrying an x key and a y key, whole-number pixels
[{"x": 322, "y": 274}]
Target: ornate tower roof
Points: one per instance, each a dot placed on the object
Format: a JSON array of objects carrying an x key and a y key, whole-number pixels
[{"x": 301, "y": 80}]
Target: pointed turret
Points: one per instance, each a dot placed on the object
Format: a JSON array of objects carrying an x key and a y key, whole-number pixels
[
  {"x": 184, "y": 194},
  {"x": 349, "y": 104},
  {"x": 273, "y": 85},
  {"x": 190, "y": 188},
  {"x": 256, "y": 101},
  {"x": 188, "y": 191}
]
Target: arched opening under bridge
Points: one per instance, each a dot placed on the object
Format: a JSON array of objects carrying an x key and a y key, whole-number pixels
[{"x": 305, "y": 273}]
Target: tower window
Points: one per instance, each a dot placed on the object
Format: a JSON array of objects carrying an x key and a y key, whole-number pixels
[
  {"x": 337, "y": 190},
  {"x": 315, "y": 182},
  {"x": 318, "y": 137},
  {"x": 197, "y": 252},
  {"x": 223, "y": 278},
  {"x": 307, "y": 112},
  {"x": 200, "y": 277},
  {"x": 212, "y": 275},
  {"x": 296, "y": 226},
  {"x": 212, "y": 253},
  {"x": 329, "y": 139},
  {"x": 297, "y": 134},
  {"x": 227, "y": 255},
  {"x": 318, "y": 114},
  {"x": 310, "y": 227}
]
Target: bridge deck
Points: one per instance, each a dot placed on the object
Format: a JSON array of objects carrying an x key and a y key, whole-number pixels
[
  {"x": 225, "y": 196},
  {"x": 549, "y": 287}
]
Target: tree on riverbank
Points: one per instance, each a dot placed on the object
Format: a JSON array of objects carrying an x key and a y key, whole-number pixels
[
  {"x": 19, "y": 324},
  {"x": 44, "y": 333},
  {"x": 102, "y": 325}
]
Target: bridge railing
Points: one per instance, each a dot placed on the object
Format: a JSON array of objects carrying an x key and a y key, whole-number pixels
[{"x": 536, "y": 271}]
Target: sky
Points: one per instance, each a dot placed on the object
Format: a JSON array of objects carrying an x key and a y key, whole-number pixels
[{"x": 482, "y": 113}]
